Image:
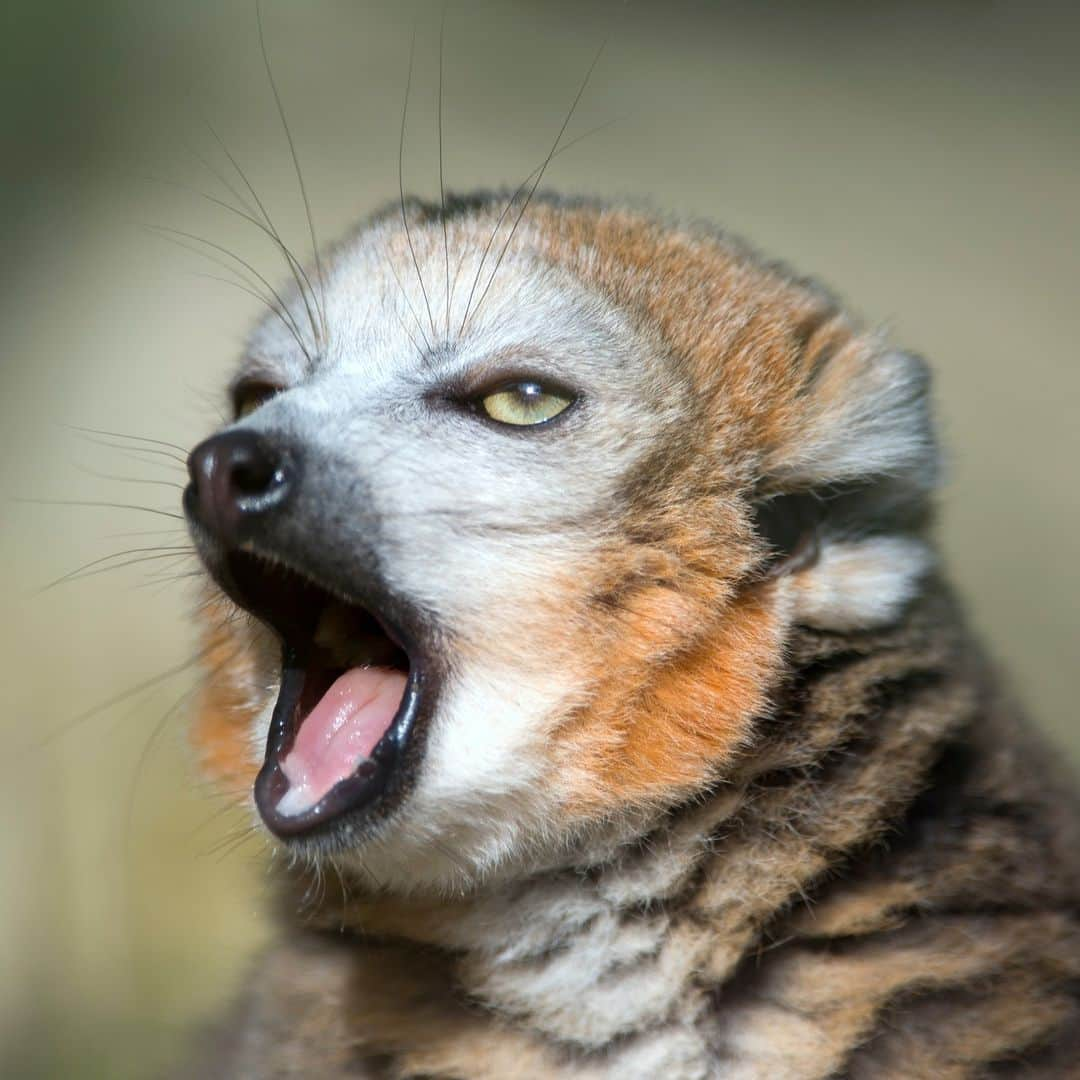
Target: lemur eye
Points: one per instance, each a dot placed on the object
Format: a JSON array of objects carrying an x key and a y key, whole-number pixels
[
  {"x": 250, "y": 394},
  {"x": 525, "y": 404}
]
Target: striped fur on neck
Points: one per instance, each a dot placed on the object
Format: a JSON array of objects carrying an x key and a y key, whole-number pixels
[{"x": 885, "y": 887}]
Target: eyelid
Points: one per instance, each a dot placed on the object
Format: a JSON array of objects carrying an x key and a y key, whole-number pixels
[
  {"x": 254, "y": 390},
  {"x": 475, "y": 385}
]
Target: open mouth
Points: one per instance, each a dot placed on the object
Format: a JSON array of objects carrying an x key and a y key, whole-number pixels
[{"x": 349, "y": 697}]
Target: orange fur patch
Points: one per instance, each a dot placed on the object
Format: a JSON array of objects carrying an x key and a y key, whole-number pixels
[
  {"x": 654, "y": 732},
  {"x": 227, "y": 704},
  {"x": 751, "y": 339}
]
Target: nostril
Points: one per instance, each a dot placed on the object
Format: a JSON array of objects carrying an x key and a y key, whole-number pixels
[
  {"x": 237, "y": 479},
  {"x": 256, "y": 477},
  {"x": 255, "y": 471}
]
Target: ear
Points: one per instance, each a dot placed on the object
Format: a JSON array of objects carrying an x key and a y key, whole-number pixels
[{"x": 846, "y": 497}]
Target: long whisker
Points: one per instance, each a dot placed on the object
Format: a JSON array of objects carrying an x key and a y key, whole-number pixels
[
  {"x": 144, "y": 755},
  {"x": 236, "y": 838},
  {"x": 213, "y": 600},
  {"x": 162, "y": 581},
  {"x": 129, "y": 815},
  {"x": 245, "y": 211},
  {"x": 116, "y": 699},
  {"x": 228, "y": 806},
  {"x": 123, "y": 435},
  {"x": 296, "y": 166},
  {"x": 156, "y": 733},
  {"x": 171, "y": 234},
  {"x": 408, "y": 333},
  {"x": 282, "y": 313},
  {"x": 542, "y": 170},
  {"x": 401, "y": 184},
  {"x": 232, "y": 840},
  {"x": 126, "y": 479},
  {"x": 87, "y": 569},
  {"x": 442, "y": 181},
  {"x": 275, "y": 305},
  {"x": 282, "y": 318},
  {"x": 412, "y": 310},
  {"x": 127, "y": 534},
  {"x": 509, "y": 205},
  {"x": 300, "y": 276},
  {"x": 174, "y": 556},
  {"x": 132, "y": 453},
  {"x": 171, "y": 579},
  {"x": 217, "y": 174},
  {"x": 250, "y": 217},
  {"x": 109, "y": 505}
]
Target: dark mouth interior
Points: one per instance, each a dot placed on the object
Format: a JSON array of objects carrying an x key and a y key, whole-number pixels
[
  {"x": 323, "y": 637},
  {"x": 311, "y": 621}
]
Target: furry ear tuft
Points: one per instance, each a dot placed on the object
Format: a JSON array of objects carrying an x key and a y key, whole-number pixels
[
  {"x": 863, "y": 413},
  {"x": 848, "y": 492},
  {"x": 855, "y": 585}
]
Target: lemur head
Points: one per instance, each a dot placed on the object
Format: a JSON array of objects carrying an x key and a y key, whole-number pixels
[{"x": 519, "y": 523}]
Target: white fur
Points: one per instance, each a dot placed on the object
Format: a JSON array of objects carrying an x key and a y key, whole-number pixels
[{"x": 858, "y": 584}]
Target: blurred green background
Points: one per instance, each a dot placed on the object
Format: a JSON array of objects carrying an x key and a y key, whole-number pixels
[{"x": 922, "y": 158}]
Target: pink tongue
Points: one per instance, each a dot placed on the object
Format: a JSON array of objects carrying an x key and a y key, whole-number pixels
[{"x": 339, "y": 733}]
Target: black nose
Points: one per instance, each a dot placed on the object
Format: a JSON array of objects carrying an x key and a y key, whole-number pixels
[{"x": 237, "y": 479}]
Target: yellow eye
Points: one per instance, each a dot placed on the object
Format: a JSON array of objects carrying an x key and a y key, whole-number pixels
[
  {"x": 524, "y": 404},
  {"x": 249, "y": 395}
]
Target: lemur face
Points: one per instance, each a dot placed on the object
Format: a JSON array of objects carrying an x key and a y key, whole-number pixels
[{"x": 498, "y": 524}]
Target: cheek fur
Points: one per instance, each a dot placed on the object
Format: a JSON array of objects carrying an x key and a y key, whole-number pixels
[
  {"x": 677, "y": 688},
  {"x": 229, "y": 701}
]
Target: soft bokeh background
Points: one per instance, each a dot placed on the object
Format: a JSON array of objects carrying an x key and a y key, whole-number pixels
[{"x": 924, "y": 158}]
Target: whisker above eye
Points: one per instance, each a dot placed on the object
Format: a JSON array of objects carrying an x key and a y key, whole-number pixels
[
  {"x": 300, "y": 276},
  {"x": 509, "y": 206},
  {"x": 539, "y": 176},
  {"x": 442, "y": 180},
  {"x": 412, "y": 310},
  {"x": 242, "y": 202},
  {"x": 401, "y": 187},
  {"x": 172, "y": 234},
  {"x": 276, "y": 312},
  {"x": 296, "y": 166}
]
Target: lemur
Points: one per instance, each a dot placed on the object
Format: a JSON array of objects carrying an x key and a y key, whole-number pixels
[{"x": 577, "y": 633}]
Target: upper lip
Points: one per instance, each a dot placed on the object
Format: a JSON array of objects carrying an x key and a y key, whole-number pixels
[{"x": 288, "y": 596}]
